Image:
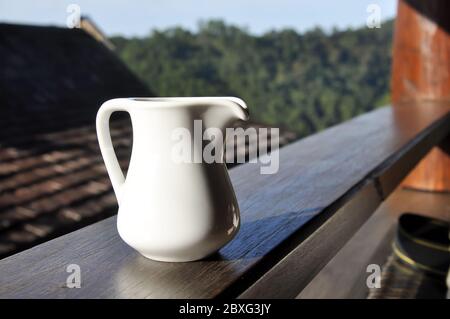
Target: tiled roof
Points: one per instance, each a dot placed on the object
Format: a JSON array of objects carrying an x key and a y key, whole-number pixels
[
  {"x": 45, "y": 192},
  {"x": 53, "y": 78},
  {"x": 52, "y": 176},
  {"x": 52, "y": 179}
]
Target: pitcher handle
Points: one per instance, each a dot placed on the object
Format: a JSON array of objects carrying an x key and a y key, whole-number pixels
[{"x": 104, "y": 139}]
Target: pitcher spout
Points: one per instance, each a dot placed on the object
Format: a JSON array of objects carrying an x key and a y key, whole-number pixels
[
  {"x": 239, "y": 108},
  {"x": 223, "y": 112}
]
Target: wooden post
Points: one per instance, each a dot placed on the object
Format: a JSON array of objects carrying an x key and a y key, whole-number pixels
[{"x": 421, "y": 72}]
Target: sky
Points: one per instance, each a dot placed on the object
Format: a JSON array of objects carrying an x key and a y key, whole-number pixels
[{"x": 140, "y": 17}]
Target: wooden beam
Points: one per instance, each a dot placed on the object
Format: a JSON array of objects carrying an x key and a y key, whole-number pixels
[
  {"x": 345, "y": 275},
  {"x": 421, "y": 72},
  {"x": 293, "y": 222}
]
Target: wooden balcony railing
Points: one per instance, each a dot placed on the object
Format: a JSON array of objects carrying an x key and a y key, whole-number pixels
[{"x": 293, "y": 222}]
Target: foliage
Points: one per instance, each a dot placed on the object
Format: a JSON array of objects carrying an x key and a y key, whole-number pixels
[{"x": 304, "y": 82}]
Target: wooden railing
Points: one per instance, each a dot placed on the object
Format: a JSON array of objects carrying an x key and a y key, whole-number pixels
[{"x": 293, "y": 222}]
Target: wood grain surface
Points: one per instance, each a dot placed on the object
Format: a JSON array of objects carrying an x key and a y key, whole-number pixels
[{"x": 293, "y": 222}]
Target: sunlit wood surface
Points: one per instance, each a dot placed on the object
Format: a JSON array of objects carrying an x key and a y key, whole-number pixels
[{"x": 293, "y": 222}]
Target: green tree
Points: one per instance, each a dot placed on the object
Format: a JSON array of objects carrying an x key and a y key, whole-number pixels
[{"x": 304, "y": 82}]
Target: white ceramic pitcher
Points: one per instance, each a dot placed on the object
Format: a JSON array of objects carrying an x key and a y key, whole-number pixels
[{"x": 172, "y": 211}]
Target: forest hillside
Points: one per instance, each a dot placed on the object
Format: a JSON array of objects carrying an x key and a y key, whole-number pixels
[{"x": 304, "y": 82}]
